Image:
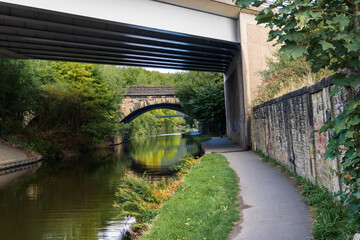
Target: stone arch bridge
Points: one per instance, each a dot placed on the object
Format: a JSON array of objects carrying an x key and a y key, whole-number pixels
[{"x": 138, "y": 100}]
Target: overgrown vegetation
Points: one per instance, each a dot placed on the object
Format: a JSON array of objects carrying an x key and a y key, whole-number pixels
[
  {"x": 331, "y": 218},
  {"x": 182, "y": 204},
  {"x": 82, "y": 105},
  {"x": 326, "y": 33},
  {"x": 140, "y": 198},
  {"x": 283, "y": 76},
  {"x": 73, "y": 107}
]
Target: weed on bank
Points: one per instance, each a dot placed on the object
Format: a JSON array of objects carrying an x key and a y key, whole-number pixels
[
  {"x": 200, "y": 204},
  {"x": 331, "y": 218}
]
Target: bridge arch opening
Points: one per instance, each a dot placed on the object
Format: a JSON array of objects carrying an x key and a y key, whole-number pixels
[{"x": 172, "y": 106}]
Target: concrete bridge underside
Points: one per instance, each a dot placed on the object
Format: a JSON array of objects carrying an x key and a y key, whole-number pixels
[
  {"x": 135, "y": 33},
  {"x": 202, "y": 35}
]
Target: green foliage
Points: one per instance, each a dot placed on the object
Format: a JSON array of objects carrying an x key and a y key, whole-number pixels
[
  {"x": 167, "y": 124},
  {"x": 284, "y": 76},
  {"x": 345, "y": 143},
  {"x": 204, "y": 206},
  {"x": 143, "y": 125},
  {"x": 136, "y": 197},
  {"x": 331, "y": 219},
  {"x": 148, "y": 124},
  {"x": 140, "y": 198},
  {"x": 75, "y": 104},
  {"x": 132, "y": 76},
  {"x": 202, "y": 95},
  {"x": 326, "y": 33},
  {"x": 186, "y": 163},
  {"x": 35, "y": 143},
  {"x": 14, "y": 140},
  {"x": 18, "y": 94},
  {"x": 80, "y": 102}
]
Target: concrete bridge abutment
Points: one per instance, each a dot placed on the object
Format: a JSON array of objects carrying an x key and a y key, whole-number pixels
[
  {"x": 241, "y": 79},
  {"x": 237, "y": 118}
]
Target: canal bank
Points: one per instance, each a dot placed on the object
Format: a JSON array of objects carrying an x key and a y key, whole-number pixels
[
  {"x": 204, "y": 206},
  {"x": 12, "y": 158}
]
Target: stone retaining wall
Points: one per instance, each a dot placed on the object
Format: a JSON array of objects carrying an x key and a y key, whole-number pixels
[{"x": 283, "y": 129}]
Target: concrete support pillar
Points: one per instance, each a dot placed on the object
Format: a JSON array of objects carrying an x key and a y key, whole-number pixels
[
  {"x": 237, "y": 118},
  {"x": 242, "y": 78}
]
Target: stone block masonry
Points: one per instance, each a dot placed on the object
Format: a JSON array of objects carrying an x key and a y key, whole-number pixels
[
  {"x": 283, "y": 128},
  {"x": 136, "y": 98}
]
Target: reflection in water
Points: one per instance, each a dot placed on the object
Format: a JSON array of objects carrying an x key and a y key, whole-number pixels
[
  {"x": 156, "y": 154},
  {"x": 68, "y": 199},
  {"x": 116, "y": 229},
  {"x": 9, "y": 176},
  {"x": 73, "y": 198}
]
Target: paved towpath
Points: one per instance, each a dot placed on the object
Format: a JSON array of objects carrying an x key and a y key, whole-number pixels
[
  {"x": 273, "y": 207},
  {"x": 11, "y": 157}
]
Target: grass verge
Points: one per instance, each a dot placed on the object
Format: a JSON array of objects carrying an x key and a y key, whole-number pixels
[
  {"x": 331, "y": 219},
  {"x": 204, "y": 206}
]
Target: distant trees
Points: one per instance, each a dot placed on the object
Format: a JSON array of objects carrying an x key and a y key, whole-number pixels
[
  {"x": 77, "y": 104},
  {"x": 148, "y": 124},
  {"x": 130, "y": 76},
  {"x": 202, "y": 96}
]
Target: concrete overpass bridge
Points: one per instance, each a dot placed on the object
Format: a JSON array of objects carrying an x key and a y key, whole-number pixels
[
  {"x": 201, "y": 35},
  {"x": 138, "y": 100}
]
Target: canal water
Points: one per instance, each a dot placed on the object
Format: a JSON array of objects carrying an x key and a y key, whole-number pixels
[{"x": 73, "y": 198}]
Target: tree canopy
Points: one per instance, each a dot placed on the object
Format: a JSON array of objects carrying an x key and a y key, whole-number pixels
[{"x": 202, "y": 95}]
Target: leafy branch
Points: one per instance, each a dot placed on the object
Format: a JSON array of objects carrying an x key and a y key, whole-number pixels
[{"x": 332, "y": 10}]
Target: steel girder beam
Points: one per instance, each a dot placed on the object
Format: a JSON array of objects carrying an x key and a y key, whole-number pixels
[{"x": 35, "y": 33}]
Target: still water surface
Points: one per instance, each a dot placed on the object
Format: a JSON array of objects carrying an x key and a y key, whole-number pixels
[{"x": 73, "y": 198}]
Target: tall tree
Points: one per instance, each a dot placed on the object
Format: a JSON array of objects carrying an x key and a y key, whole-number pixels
[{"x": 79, "y": 101}]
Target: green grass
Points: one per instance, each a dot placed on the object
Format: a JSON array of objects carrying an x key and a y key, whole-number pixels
[
  {"x": 204, "y": 207},
  {"x": 331, "y": 218},
  {"x": 201, "y": 138}
]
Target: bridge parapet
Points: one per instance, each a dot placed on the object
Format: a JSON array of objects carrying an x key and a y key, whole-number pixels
[{"x": 150, "y": 91}]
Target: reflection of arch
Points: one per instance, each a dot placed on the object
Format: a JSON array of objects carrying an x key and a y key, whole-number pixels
[{"x": 138, "y": 112}]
